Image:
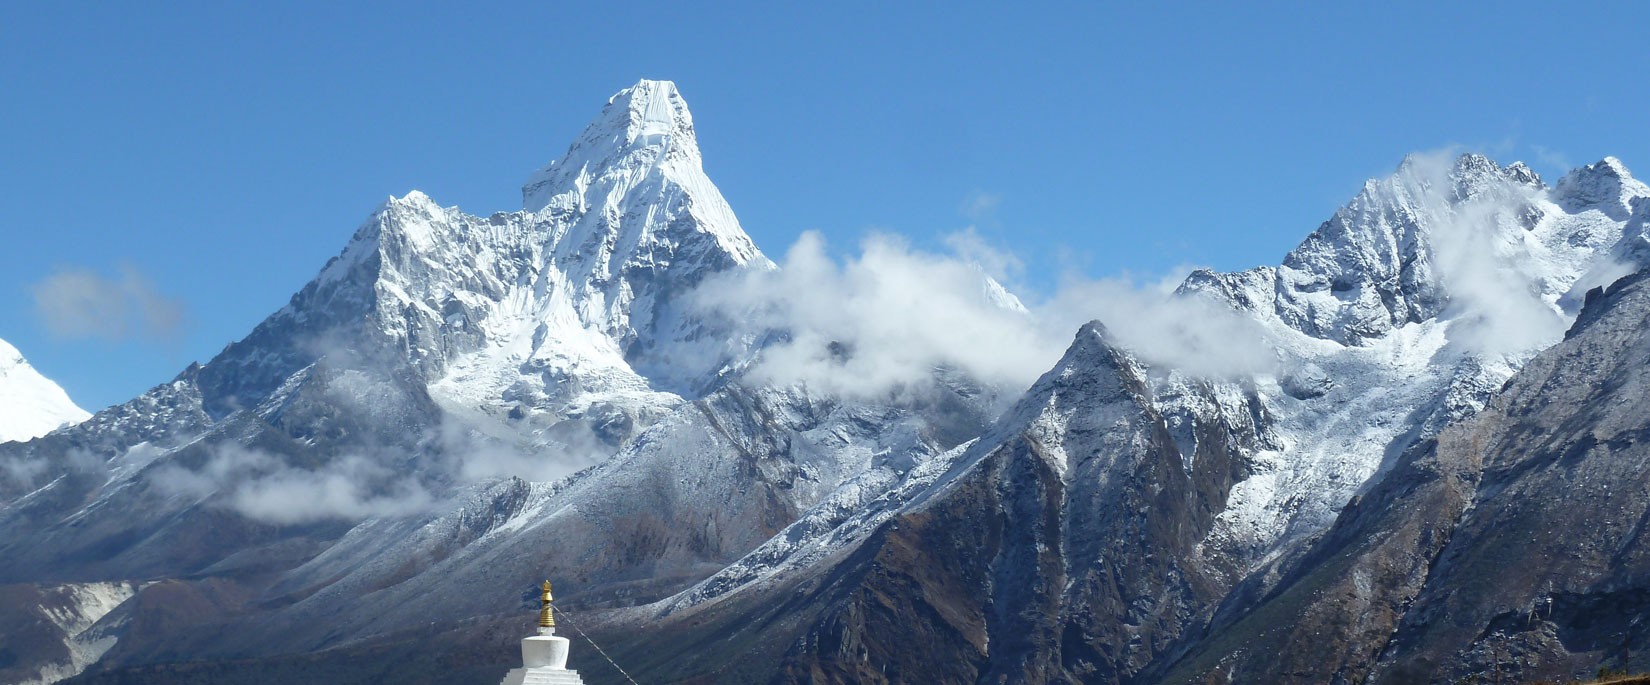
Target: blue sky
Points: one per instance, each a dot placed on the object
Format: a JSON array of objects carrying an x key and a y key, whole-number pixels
[{"x": 211, "y": 158}]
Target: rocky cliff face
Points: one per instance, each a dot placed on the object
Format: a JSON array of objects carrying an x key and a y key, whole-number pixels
[
  {"x": 1509, "y": 545},
  {"x": 1544, "y": 575},
  {"x": 1068, "y": 547}
]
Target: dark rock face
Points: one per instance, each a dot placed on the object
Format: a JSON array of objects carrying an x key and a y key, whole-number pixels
[
  {"x": 1509, "y": 545},
  {"x": 1065, "y": 547},
  {"x": 1326, "y": 613},
  {"x": 1547, "y": 572}
]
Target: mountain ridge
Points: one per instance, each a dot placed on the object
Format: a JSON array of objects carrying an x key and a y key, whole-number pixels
[{"x": 1119, "y": 512}]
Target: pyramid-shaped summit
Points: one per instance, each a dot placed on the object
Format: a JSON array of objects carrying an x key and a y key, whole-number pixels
[
  {"x": 553, "y": 332},
  {"x": 642, "y": 126},
  {"x": 563, "y": 310}
]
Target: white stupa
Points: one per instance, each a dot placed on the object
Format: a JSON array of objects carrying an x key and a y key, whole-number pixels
[{"x": 543, "y": 656}]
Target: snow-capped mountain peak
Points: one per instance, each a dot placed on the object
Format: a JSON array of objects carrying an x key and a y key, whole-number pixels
[
  {"x": 453, "y": 348},
  {"x": 1426, "y": 291},
  {"x": 1605, "y": 185},
  {"x": 1410, "y": 244},
  {"x": 1522, "y": 173},
  {"x": 563, "y": 310},
  {"x": 637, "y": 167},
  {"x": 31, "y": 405},
  {"x": 647, "y": 114}
]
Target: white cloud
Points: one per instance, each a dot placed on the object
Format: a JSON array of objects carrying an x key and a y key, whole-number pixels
[
  {"x": 878, "y": 321},
  {"x": 969, "y": 246},
  {"x": 262, "y": 487},
  {"x": 482, "y": 456},
  {"x": 29, "y": 472},
  {"x": 1187, "y": 334},
  {"x": 351, "y": 489},
  {"x": 886, "y": 319},
  {"x": 1486, "y": 261},
  {"x": 81, "y": 303},
  {"x": 23, "y": 472}
]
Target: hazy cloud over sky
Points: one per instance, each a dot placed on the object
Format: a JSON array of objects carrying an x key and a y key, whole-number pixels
[
  {"x": 77, "y": 302},
  {"x": 981, "y": 206}
]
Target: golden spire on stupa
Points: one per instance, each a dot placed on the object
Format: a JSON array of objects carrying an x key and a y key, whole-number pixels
[
  {"x": 543, "y": 656},
  {"x": 547, "y": 619}
]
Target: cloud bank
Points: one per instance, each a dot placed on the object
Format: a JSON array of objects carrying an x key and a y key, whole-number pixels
[{"x": 887, "y": 318}]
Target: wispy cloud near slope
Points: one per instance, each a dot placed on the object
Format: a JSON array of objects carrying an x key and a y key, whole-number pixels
[{"x": 78, "y": 303}]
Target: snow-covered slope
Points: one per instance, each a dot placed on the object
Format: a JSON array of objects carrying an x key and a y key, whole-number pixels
[
  {"x": 31, "y": 405},
  {"x": 697, "y": 490},
  {"x": 1511, "y": 544},
  {"x": 1404, "y": 312}
]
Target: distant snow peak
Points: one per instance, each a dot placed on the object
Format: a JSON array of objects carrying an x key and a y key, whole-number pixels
[
  {"x": 1522, "y": 173},
  {"x": 1411, "y": 244},
  {"x": 31, "y": 405},
  {"x": 1406, "y": 309},
  {"x": 645, "y": 113},
  {"x": 1606, "y": 185}
]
